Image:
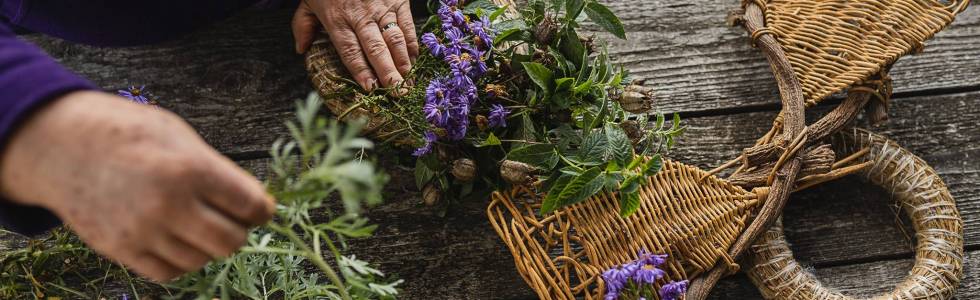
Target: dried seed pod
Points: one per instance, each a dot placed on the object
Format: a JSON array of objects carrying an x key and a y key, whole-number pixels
[
  {"x": 516, "y": 172},
  {"x": 495, "y": 90},
  {"x": 636, "y": 99},
  {"x": 431, "y": 194},
  {"x": 545, "y": 31},
  {"x": 464, "y": 169},
  {"x": 482, "y": 122}
]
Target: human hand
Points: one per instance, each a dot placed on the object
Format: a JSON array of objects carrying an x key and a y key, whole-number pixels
[
  {"x": 136, "y": 183},
  {"x": 376, "y": 32}
]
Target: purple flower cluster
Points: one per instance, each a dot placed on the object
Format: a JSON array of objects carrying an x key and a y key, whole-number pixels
[
  {"x": 464, "y": 48},
  {"x": 644, "y": 270}
]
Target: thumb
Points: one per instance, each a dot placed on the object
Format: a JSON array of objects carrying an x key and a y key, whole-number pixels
[{"x": 304, "y": 26}]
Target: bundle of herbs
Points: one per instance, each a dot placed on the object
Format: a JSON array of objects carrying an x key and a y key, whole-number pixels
[
  {"x": 322, "y": 182},
  {"x": 522, "y": 99}
]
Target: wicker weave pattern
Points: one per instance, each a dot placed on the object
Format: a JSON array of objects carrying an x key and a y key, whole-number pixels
[
  {"x": 561, "y": 255},
  {"x": 834, "y": 44},
  {"x": 922, "y": 194}
]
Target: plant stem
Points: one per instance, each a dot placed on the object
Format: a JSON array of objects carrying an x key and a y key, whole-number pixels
[{"x": 317, "y": 260}]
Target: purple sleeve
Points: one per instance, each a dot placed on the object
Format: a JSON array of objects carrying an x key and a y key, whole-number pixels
[
  {"x": 120, "y": 22},
  {"x": 28, "y": 79}
]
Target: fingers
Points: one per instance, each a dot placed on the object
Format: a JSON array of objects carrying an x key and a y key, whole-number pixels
[
  {"x": 304, "y": 27},
  {"x": 204, "y": 228},
  {"x": 179, "y": 254},
  {"x": 153, "y": 267},
  {"x": 234, "y": 193},
  {"x": 407, "y": 25},
  {"x": 397, "y": 43},
  {"x": 353, "y": 58},
  {"x": 376, "y": 50}
]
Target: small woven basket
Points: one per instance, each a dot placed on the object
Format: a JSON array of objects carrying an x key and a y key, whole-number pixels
[{"x": 561, "y": 255}]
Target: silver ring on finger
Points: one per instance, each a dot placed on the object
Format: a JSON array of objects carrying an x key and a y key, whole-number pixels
[{"x": 389, "y": 26}]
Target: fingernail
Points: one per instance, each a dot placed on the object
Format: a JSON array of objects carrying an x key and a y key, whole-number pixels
[{"x": 372, "y": 84}]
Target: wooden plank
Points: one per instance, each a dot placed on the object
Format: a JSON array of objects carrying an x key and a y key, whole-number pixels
[
  {"x": 696, "y": 63},
  {"x": 843, "y": 222},
  {"x": 861, "y": 280},
  {"x": 236, "y": 82}
]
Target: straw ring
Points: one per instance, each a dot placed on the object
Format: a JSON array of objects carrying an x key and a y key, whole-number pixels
[{"x": 925, "y": 199}]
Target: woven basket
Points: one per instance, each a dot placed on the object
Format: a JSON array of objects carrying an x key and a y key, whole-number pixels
[
  {"x": 561, "y": 255},
  {"x": 938, "y": 266}
]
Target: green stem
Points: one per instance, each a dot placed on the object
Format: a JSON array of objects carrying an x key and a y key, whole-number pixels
[
  {"x": 570, "y": 163},
  {"x": 317, "y": 260}
]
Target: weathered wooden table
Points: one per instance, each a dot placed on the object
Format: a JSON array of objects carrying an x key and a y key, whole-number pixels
[{"x": 236, "y": 82}]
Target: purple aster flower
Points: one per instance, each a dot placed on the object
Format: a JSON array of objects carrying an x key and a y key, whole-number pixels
[
  {"x": 455, "y": 41},
  {"x": 498, "y": 116},
  {"x": 445, "y": 14},
  {"x": 430, "y": 138},
  {"x": 652, "y": 259},
  {"x": 136, "y": 94},
  {"x": 437, "y": 104},
  {"x": 673, "y": 290},
  {"x": 615, "y": 279},
  {"x": 450, "y": 2},
  {"x": 647, "y": 273},
  {"x": 482, "y": 33},
  {"x": 457, "y": 128},
  {"x": 432, "y": 42}
]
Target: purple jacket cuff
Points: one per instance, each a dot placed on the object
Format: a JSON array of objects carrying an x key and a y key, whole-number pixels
[{"x": 28, "y": 80}]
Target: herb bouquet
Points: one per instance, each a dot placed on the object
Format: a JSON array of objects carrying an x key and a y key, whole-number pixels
[{"x": 510, "y": 97}]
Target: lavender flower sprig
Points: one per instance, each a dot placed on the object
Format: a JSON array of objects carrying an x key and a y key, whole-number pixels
[{"x": 632, "y": 279}]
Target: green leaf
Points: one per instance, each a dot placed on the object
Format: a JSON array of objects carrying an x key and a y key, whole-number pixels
[
  {"x": 526, "y": 131},
  {"x": 563, "y": 84},
  {"x": 472, "y": 7},
  {"x": 575, "y": 190},
  {"x": 602, "y": 16},
  {"x": 619, "y": 146},
  {"x": 593, "y": 146},
  {"x": 425, "y": 169},
  {"x": 583, "y": 87},
  {"x": 510, "y": 24},
  {"x": 572, "y": 47},
  {"x": 542, "y": 156},
  {"x": 628, "y": 204},
  {"x": 573, "y": 8},
  {"x": 498, "y": 12},
  {"x": 508, "y": 35},
  {"x": 652, "y": 166},
  {"x": 630, "y": 184},
  {"x": 540, "y": 75},
  {"x": 491, "y": 140},
  {"x": 550, "y": 201}
]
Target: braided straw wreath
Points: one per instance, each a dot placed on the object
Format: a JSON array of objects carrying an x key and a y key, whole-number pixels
[{"x": 923, "y": 196}]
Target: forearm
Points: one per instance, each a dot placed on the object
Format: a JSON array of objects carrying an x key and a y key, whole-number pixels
[{"x": 28, "y": 80}]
